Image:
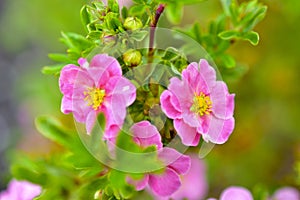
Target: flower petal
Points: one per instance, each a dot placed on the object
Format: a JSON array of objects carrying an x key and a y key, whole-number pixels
[
  {"x": 66, "y": 105},
  {"x": 195, "y": 178},
  {"x": 175, "y": 160},
  {"x": 68, "y": 77},
  {"x": 78, "y": 107},
  {"x": 106, "y": 63},
  {"x": 208, "y": 73},
  {"x": 229, "y": 105},
  {"x": 204, "y": 127},
  {"x": 219, "y": 130},
  {"x": 188, "y": 135},
  {"x": 285, "y": 193},
  {"x": 218, "y": 97},
  {"x": 222, "y": 101},
  {"x": 139, "y": 184},
  {"x": 145, "y": 134},
  {"x": 191, "y": 75},
  {"x": 20, "y": 190},
  {"x": 182, "y": 92},
  {"x": 117, "y": 108},
  {"x": 111, "y": 131},
  {"x": 170, "y": 105},
  {"x": 200, "y": 79},
  {"x": 191, "y": 119},
  {"x": 236, "y": 193},
  {"x": 90, "y": 121},
  {"x": 164, "y": 184},
  {"x": 114, "y": 121},
  {"x": 99, "y": 76},
  {"x": 121, "y": 86}
]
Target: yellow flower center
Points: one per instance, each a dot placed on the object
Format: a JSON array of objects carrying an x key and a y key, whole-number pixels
[
  {"x": 202, "y": 104},
  {"x": 94, "y": 97}
]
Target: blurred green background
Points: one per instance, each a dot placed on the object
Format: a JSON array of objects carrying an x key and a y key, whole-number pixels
[{"x": 265, "y": 145}]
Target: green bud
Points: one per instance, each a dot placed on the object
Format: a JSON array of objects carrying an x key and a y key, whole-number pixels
[
  {"x": 108, "y": 38},
  {"x": 132, "y": 58},
  {"x": 133, "y": 23}
]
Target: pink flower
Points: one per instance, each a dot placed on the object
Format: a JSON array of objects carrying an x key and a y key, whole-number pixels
[
  {"x": 194, "y": 185},
  {"x": 122, "y": 3},
  {"x": 94, "y": 88},
  {"x": 235, "y": 193},
  {"x": 20, "y": 190},
  {"x": 199, "y": 105},
  {"x": 285, "y": 193},
  {"x": 166, "y": 183}
]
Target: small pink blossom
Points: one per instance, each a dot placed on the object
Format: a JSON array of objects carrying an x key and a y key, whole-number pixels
[
  {"x": 166, "y": 183},
  {"x": 286, "y": 193},
  {"x": 199, "y": 105},
  {"x": 96, "y": 87},
  {"x": 235, "y": 193},
  {"x": 194, "y": 184},
  {"x": 20, "y": 190},
  {"x": 122, "y": 3}
]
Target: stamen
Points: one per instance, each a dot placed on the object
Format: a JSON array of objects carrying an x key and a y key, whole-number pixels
[
  {"x": 94, "y": 97},
  {"x": 202, "y": 104}
]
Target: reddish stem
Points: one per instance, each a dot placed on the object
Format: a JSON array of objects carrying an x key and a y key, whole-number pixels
[{"x": 153, "y": 25}]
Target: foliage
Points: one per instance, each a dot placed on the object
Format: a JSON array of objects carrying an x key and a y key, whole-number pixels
[{"x": 75, "y": 173}]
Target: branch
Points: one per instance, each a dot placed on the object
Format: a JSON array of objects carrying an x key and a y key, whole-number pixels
[{"x": 153, "y": 25}]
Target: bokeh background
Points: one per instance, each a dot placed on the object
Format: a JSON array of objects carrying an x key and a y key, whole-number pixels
[{"x": 262, "y": 151}]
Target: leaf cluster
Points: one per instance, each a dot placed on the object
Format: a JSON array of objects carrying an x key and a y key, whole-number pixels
[{"x": 236, "y": 23}]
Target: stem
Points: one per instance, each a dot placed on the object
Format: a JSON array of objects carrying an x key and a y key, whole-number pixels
[{"x": 153, "y": 25}]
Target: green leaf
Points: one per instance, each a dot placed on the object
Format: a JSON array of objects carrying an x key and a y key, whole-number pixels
[
  {"x": 228, "y": 35},
  {"x": 112, "y": 21},
  {"x": 75, "y": 42},
  {"x": 23, "y": 173},
  {"x": 94, "y": 141},
  {"x": 174, "y": 12},
  {"x": 52, "y": 129},
  {"x": 252, "y": 37},
  {"x": 117, "y": 178},
  {"x": 94, "y": 35},
  {"x": 124, "y": 12},
  {"x": 260, "y": 192},
  {"x": 113, "y": 6},
  {"x": 183, "y": 2},
  {"x": 88, "y": 190},
  {"x": 223, "y": 46},
  {"x": 234, "y": 13},
  {"x": 226, "y": 6},
  {"x": 119, "y": 185},
  {"x": 139, "y": 35},
  {"x": 138, "y": 1},
  {"x": 133, "y": 158},
  {"x": 26, "y": 169},
  {"x": 58, "y": 57},
  {"x": 196, "y": 32},
  {"x": 170, "y": 54},
  {"x": 99, "y": 6},
  {"x": 137, "y": 10},
  {"x": 228, "y": 61},
  {"x": 187, "y": 2},
  {"x": 53, "y": 69},
  {"x": 259, "y": 16},
  {"x": 85, "y": 16}
]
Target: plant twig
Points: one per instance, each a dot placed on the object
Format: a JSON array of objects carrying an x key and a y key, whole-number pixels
[{"x": 153, "y": 25}]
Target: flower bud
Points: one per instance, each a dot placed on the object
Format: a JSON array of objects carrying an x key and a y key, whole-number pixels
[
  {"x": 108, "y": 39},
  {"x": 133, "y": 23},
  {"x": 132, "y": 58}
]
